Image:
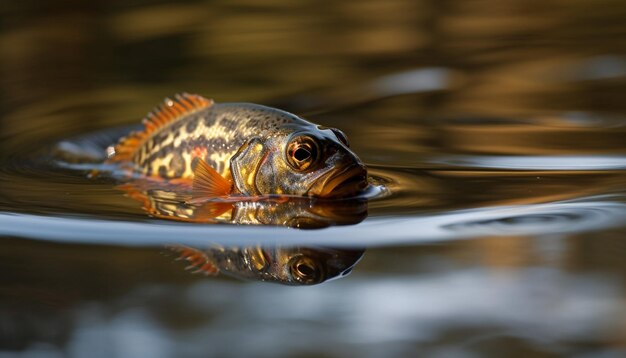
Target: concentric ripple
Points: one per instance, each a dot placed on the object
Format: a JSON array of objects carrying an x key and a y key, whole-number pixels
[{"x": 541, "y": 219}]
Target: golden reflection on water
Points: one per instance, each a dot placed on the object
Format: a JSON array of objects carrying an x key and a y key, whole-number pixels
[{"x": 414, "y": 84}]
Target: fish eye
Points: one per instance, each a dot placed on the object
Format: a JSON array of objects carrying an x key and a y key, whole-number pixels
[
  {"x": 341, "y": 136},
  {"x": 305, "y": 270},
  {"x": 302, "y": 153}
]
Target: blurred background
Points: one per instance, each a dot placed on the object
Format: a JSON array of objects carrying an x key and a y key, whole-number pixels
[{"x": 457, "y": 105}]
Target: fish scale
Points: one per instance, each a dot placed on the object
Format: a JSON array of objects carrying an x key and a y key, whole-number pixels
[
  {"x": 212, "y": 132},
  {"x": 239, "y": 148}
]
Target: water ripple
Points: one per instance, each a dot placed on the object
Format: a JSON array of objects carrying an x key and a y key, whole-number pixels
[
  {"x": 578, "y": 162},
  {"x": 541, "y": 219}
]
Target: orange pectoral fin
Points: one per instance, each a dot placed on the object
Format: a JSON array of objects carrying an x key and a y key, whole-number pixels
[
  {"x": 208, "y": 183},
  {"x": 198, "y": 260},
  {"x": 209, "y": 211}
]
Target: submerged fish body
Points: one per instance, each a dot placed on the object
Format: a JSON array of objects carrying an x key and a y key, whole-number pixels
[
  {"x": 171, "y": 201},
  {"x": 295, "y": 265},
  {"x": 240, "y": 148}
]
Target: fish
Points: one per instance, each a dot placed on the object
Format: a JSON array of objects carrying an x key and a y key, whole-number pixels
[
  {"x": 240, "y": 150},
  {"x": 172, "y": 201},
  {"x": 198, "y": 161},
  {"x": 295, "y": 266}
]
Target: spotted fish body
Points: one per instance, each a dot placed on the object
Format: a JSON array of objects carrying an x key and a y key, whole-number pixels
[
  {"x": 246, "y": 144},
  {"x": 214, "y": 132}
]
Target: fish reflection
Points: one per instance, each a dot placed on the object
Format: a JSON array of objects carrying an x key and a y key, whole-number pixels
[
  {"x": 173, "y": 201},
  {"x": 286, "y": 265}
]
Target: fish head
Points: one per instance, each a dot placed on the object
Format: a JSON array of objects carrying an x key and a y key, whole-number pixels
[
  {"x": 300, "y": 160},
  {"x": 292, "y": 265}
]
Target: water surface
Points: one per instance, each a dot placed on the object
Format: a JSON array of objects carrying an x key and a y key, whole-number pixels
[{"x": 497, "y": 130}]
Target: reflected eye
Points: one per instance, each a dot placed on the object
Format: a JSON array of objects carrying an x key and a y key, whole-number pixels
[
  {"x": 341, "y": 136},
  {"x": 305, "y": 270},
  {"x": 302, "y": 153}
]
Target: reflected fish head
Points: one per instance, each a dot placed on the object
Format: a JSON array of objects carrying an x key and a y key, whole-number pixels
[
  {"x": 298, "y": 266},
  {"x": 299, "y": 159}
]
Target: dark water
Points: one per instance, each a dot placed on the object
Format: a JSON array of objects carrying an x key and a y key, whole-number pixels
[{"x": 497, "y": 128}]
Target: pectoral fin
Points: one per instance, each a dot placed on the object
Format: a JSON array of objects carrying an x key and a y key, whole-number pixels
[
  {"x": 198, "y": 260},
  {"x": 208, "y": 183},
  {"x": 209, "y": 211}
]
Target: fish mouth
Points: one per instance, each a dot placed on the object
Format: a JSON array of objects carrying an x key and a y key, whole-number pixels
[{"x": 337, "y": 184}]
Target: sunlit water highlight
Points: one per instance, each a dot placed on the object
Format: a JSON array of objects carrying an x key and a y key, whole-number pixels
[
  {"x": 496, "y": 128},
  {"x": 541, "y": 219},
  {"x": 552, "y": 163}
]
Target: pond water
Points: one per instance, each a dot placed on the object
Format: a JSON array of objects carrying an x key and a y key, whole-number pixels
[{"x": 494, "y": 132}]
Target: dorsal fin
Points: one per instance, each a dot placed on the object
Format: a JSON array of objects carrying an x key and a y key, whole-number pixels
[
  {"x": 198, "y": 260},
  {"x": 169, "y": 111},
  {"x": 208, "y": 183}
]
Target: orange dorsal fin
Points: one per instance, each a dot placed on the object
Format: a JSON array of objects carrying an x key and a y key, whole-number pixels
[
  {"x": 169, "y": 111},
  {"x": 208, "y": 183},
  {"x": 198, "y": 260}
]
